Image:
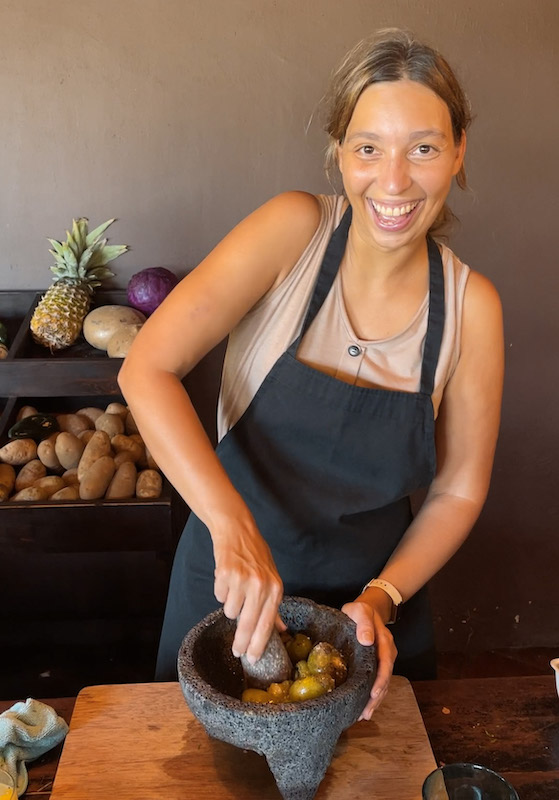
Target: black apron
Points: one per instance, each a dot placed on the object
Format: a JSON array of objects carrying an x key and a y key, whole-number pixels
[{"x": 326, "y": 468}]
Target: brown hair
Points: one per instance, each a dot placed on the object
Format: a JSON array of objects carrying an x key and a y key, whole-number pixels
[{"x": 393, "y": 54}]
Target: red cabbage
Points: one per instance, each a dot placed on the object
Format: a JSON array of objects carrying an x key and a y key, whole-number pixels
[{"x": 148, "y": 288}]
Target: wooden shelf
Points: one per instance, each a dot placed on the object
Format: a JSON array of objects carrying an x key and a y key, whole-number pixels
[{"x": 31, "y": 369}]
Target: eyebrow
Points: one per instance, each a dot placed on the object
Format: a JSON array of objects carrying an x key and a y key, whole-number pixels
[{"x": 413, "y": 135}]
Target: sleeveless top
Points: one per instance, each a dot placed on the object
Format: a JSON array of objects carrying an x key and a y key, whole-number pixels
[{"x": 330, "y": 345}]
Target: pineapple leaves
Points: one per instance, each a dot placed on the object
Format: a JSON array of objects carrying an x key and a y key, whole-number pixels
[
  {"x": 95, "y": 234},
  {"x": 59, "y": 272},
  {"x": 79, "y": 234},
  {"x": 57, "y": 247},
  {"x": 99, "y": 274},
  {"x": 112, "y": 251},
  {"x": 83, "y": 257}
]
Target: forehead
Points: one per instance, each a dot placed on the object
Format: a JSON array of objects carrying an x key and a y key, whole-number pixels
[{"x": 390, "y": 106}]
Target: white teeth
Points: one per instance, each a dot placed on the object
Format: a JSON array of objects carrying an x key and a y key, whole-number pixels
[{"x": 391, "y": 211}]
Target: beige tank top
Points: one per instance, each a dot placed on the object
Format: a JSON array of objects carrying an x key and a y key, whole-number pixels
[{"x": 330, "y": 345}]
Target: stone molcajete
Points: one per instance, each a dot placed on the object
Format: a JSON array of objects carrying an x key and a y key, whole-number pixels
[{"x": 297, "y": 739}]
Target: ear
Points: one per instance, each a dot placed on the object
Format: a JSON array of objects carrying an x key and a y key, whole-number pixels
[
  {"x": 339, "y": 158},
  {"x": 460, "y": 153}
]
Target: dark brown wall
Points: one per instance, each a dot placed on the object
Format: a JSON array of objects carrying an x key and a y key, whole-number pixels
[{"x": 179, "y": 116}]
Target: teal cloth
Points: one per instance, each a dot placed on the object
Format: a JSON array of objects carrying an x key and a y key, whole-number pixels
[{"x": 27, "y": 730}]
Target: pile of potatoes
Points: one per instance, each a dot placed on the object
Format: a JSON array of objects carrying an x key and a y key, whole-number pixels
[{"x": 95, "y": 454}]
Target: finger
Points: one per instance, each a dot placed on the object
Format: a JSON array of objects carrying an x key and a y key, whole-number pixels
[
  {"x": 365, "y": 632},
  {"x": 386, "y": 657},
  {"x": 280, "y": 624},
  {"x": 247, "y": 620},
  {"x": 233, "y": 602},
  {"x": 364, "y": 627},
  {"x": 263, "y": 628},
  {"x": 373, "y": 704},
  {"x": 221, "y": 586}
]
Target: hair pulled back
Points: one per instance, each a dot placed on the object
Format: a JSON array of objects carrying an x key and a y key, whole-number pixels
[{"x": 393, "y": 54}]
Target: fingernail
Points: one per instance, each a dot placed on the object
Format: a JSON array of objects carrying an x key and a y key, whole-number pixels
[
  {"x": 236, "y": 653},
  {"x": 251, "y": 660}
]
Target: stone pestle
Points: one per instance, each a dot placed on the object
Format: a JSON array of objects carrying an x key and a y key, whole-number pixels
[{"x": 273, "y": 666}]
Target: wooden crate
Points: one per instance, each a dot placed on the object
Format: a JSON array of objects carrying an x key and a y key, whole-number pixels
[
  {"x": 31, "y": 369},
  {"x": 33, "y": 530}
]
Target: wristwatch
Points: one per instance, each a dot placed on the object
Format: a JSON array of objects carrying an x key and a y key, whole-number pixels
[{"x": 392, "y": 592}]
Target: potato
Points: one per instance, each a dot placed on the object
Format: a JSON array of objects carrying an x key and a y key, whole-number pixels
[
  {"x": 123, "y": 484},
  {"x": 69, "y": 449},
  {"x": 47, "y": 453},
  {"x": 50, "y": 483},
  {"x": 26, "y": 411},
  {"x": 150, "y": 461},
  {"x": 124, "y": 456},
  {"x": 29, "y": 494},
  {"x": 67, "y": 493},
  {"x": 30, "y": 473},
  {"x": 146, "y": 460},
  {"x": 130, "y": 424},
  {"x": 98, "y": 446},
  {"x": 74, "y": 423},
  {"x": 70, "y": 477},
  {"x": 7, "y": 481},
  {"x": 111, "y": 423},
  {"x": 102, "y": 322},
  {"x": 120, "y": 342},
  {"x": 149, "y": 484},
  {"x": 121, "y": 442},
  {"x": 117, "y": 408},
  {"x": 85, "y": 436},
  {"x": 18, "y": 452},
  {"x": 91, "y": 413},
  {"x": 96, "y": 480}
]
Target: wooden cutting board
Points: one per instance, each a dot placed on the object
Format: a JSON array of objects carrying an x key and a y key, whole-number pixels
[{"x": 141, "y": 742}]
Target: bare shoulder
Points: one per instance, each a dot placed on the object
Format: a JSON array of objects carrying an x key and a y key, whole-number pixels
[
  {"x": 482, "y": 309},
  {"x": 301, "y": 209},
  {"x": 282, "y": 228}
]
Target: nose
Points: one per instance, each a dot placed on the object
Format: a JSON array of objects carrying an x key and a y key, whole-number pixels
[{"x": 394, "y": 176}]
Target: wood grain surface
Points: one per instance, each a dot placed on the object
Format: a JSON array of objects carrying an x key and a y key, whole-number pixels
[
  {"x": 140, "y": 741},
  {"x": 510, "y": 725}
]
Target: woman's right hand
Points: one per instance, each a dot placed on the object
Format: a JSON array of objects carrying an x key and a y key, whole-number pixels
[{"x": 249, "y": 586}]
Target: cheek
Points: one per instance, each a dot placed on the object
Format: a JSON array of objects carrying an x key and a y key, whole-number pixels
[
  {"x": 357, "y": 174},
  {"x": 437, "y": 183}
]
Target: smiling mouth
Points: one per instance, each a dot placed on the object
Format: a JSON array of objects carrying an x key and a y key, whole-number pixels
[{"x": 393, "y": 217}]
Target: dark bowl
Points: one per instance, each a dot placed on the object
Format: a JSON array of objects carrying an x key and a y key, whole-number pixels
[{"x": 297, "y": 739}]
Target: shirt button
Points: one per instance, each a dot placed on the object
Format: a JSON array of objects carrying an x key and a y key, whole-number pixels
[{"x": 353, "y": 350}]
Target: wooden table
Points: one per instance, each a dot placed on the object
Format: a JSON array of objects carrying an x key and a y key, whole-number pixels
[{"x": 508, "y": 724}]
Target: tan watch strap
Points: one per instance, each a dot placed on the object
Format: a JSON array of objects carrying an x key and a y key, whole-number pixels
[{"x": 391, "y": 591}]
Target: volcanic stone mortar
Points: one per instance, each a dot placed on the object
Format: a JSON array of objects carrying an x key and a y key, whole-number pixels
[{"x": 297, "y": 739}]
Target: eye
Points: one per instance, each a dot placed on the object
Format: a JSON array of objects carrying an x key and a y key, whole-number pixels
[
  {"x": 366, "y": 150},
  {"x": 426, "y": 150}
]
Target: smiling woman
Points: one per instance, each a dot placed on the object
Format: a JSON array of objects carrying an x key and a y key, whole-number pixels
[
  {"x": 364, "y": 361},
  {"x": 398, "y": 158}
]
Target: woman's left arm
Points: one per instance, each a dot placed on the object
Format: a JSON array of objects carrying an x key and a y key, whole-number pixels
[{"x": 466, "y": 435}]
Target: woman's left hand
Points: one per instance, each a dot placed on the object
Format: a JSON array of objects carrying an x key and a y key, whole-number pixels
[{"x": 368, "y": 616}]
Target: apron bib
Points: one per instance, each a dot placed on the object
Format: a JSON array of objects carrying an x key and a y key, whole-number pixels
[{"x": 326, "y": 469}]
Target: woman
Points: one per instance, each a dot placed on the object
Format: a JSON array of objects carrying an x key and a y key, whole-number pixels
[{"x": 351, "y": 331}]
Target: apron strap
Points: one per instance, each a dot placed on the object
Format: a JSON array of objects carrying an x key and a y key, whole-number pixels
[
  {"x": 435, "y": 319},
  {"x": 328, "y": 270}
]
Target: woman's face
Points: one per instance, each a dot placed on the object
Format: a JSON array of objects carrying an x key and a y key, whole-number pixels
[{"x": 397, "y": 161}]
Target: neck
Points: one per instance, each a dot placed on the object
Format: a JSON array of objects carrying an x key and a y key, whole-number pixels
[{"x": 385, "y": 266}]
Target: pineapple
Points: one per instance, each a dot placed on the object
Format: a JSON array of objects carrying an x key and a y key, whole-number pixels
[{"x": 80, "y": 267}]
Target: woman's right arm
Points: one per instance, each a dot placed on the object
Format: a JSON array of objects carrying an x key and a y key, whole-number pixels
[{"x": 199, "y": 313}]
